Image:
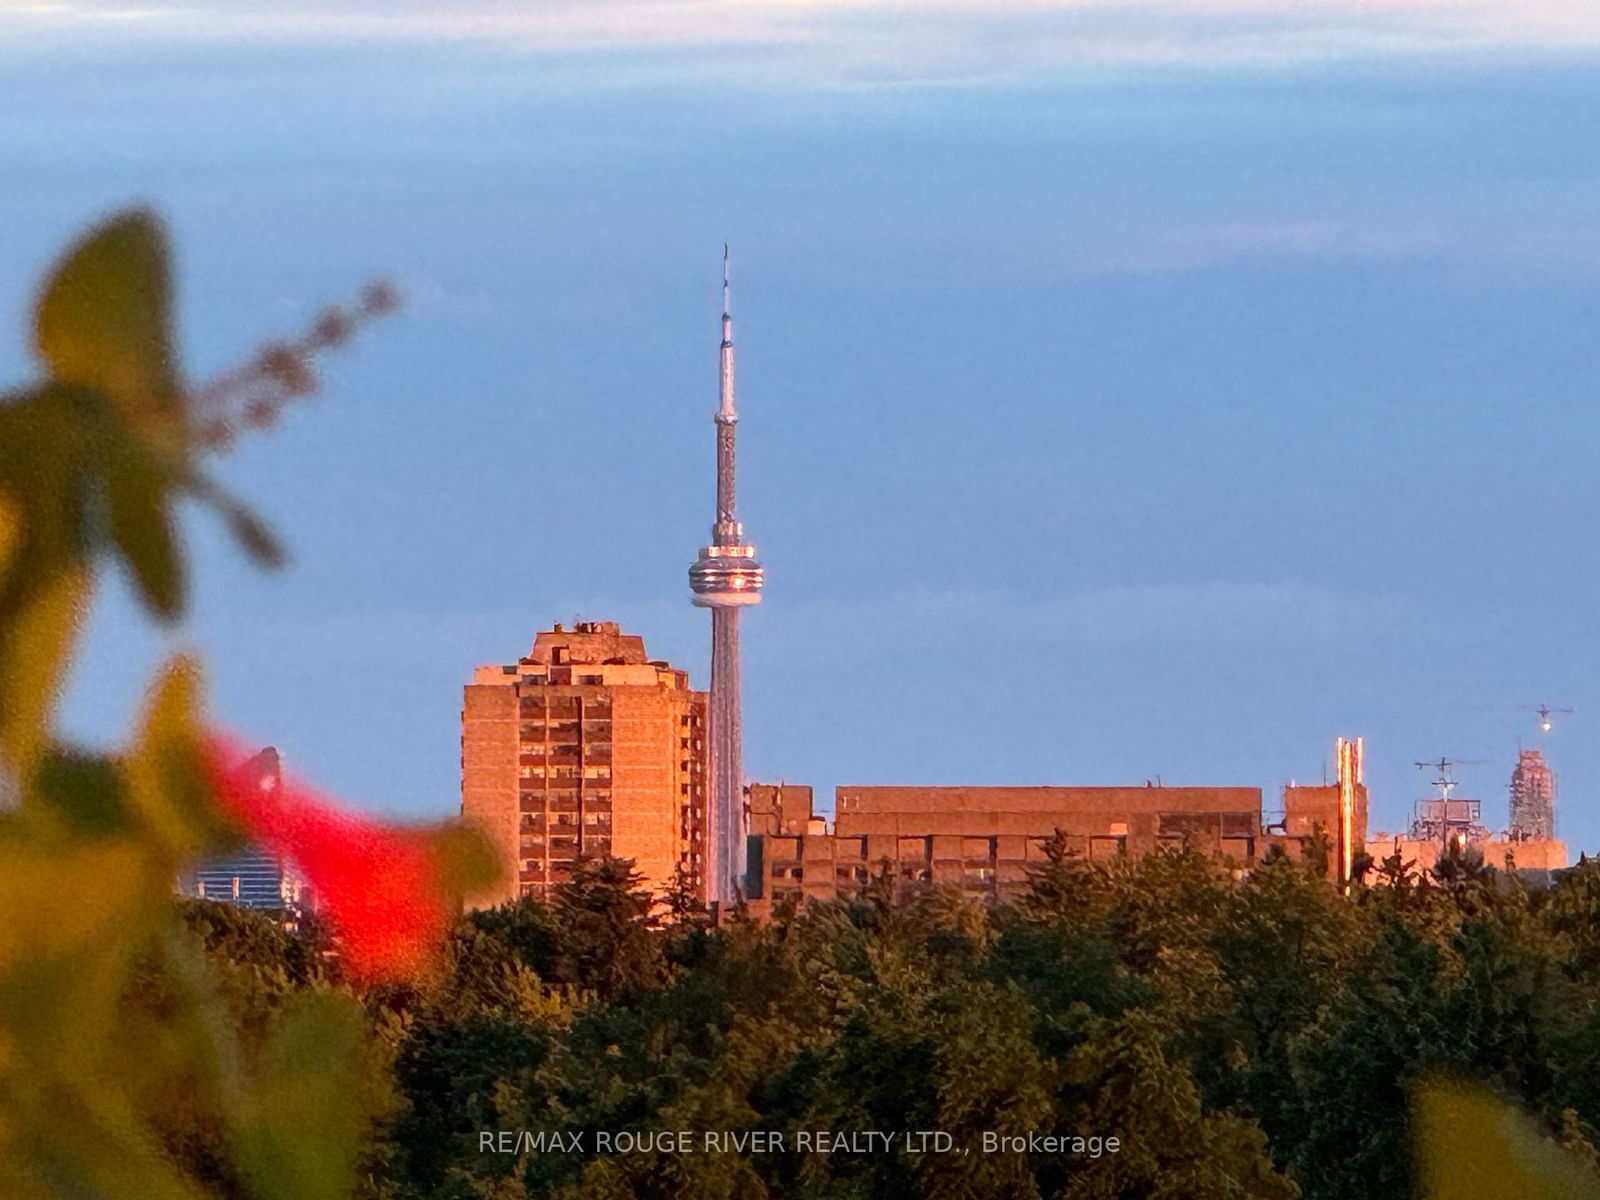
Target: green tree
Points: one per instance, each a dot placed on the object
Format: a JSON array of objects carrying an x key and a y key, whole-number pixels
[{"x": 608, "y": 929}]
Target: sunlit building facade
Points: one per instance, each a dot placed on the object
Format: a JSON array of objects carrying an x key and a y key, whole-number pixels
[
  {"x": 585, "y": 747},
  {"x": 989, "y": 840},
  {"x": 986, "y": 840}
]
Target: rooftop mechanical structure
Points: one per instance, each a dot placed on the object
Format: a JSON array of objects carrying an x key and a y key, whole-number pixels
[
  {"x": 1446, "y": 820},
  {"x": 725, "y": 578}
]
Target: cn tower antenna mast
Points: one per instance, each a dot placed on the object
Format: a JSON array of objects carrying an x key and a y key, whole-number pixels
[{"x": 725, "y": 578}]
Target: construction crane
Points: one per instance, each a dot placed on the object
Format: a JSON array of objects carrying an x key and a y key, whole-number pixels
[{"x": 1544, "y": 711}]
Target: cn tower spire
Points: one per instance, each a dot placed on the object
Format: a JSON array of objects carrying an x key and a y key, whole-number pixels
[
  {"x": 725, "y": 578},
  {"x": 726, "y": 411},
  {"x": 726, "y": 532},
  {"x": 727, "y": 328}
]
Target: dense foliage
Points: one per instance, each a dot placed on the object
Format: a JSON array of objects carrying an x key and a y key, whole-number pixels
[{"x": 1255, "y": 1038}]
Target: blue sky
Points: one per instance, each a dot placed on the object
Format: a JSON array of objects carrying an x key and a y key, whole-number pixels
[{"x": 1127, "y": 390}]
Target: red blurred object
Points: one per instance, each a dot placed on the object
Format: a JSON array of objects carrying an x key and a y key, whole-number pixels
[{"x": 380, "y": 887}]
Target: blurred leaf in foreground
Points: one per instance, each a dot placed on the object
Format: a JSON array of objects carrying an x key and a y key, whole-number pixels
[
  {"x": 306, "y": 1118},
  {"x": 104, "y": 323},
  {"x": 1471, "y": 1145}
]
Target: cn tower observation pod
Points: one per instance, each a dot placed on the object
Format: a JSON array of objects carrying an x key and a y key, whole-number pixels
[{"x": 726, "y": 577}]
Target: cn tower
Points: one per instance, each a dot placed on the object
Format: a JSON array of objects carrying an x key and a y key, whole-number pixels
[{"x": 725, "y": 578}]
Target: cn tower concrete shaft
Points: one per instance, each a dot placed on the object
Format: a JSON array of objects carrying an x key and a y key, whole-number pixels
[{"x": 725, "y": 851}]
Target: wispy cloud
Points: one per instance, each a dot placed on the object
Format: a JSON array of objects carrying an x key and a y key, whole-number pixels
[{"x": 874, "y": 40}]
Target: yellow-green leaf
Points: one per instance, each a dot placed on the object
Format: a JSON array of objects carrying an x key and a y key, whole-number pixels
[
  {"x": 10, "y": 531},
  {"x": 103, "y": 320},
  {"x": 83, "y": 792},
  {"x": 1471, "y": 1145},
  {"x": 468, "y": 863},
  {"x": 33, "y": 651},
  {"x": 307, "y": 1113},
  {"x": 109, "y": 882},
  {"x": 137, "y": 493},
  {"x": 166, "y": 783}
]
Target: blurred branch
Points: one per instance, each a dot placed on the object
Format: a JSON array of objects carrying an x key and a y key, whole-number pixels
[{"x": 253, "y": 395}]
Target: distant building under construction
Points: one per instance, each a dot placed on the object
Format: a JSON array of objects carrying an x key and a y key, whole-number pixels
[{"x": 1533, "y": 799}]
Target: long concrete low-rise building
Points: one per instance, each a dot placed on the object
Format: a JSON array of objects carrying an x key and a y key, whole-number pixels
[{"x": 987, "y": 839}]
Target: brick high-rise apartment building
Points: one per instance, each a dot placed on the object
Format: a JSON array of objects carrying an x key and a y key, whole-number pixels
[{"x": 585, "y": 746}]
